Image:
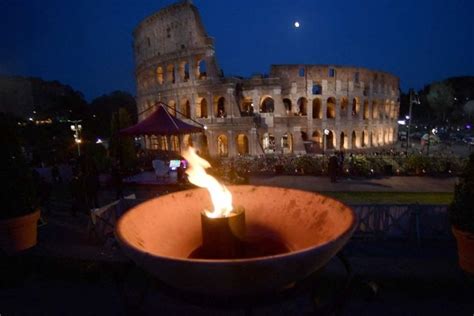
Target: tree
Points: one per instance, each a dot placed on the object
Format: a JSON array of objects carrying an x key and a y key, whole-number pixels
[
  {"x": 469, "y": 108},
  {"x": 441, "y": 99},
  {"x": 122, "y": 149}
]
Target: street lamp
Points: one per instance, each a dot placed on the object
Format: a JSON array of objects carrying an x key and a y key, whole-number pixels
[
  {"x": 77, "y": 128},
  {"x": 325, "y": 134}
]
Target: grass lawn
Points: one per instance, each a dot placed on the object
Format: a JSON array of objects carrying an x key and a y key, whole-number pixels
[{"x": 392, "y": 197}]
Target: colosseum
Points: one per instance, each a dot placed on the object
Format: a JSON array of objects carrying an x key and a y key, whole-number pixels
[{"x": 295, "y": 109}]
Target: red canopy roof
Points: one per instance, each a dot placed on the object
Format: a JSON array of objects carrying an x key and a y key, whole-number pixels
[{"x": 160, "y": 122}]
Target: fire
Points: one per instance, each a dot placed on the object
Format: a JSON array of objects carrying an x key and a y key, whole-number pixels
[{"x": 220, "y": 195}]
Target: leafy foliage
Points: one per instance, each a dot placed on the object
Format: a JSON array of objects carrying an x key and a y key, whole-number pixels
[
  {"x": 461, "y": 210},
  {"x": 440, "y": 98},
  {"x": 122, "y": 149},
  {"x": 18, "y": 192}
]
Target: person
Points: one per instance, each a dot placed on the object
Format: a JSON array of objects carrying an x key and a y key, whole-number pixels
[
  {"x": 333, "y": 167},
  {"x": 181, "y": 173}
]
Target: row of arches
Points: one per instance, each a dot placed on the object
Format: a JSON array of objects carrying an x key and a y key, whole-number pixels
[
  {"x": 173, "y": 72},
  {"x": 377, "y": 110},
  {"x": 356, "y": 140}
]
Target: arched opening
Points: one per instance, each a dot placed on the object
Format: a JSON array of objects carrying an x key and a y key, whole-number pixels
[
  {"x": 242, "y": 144},
  {"x": 287, "y": 104},
  {"x": 187, "y": 140},
  {"x": 387, "y": 109},
  {"x": 222, "y": 146},
  {"x": 203, "y": 144},
  {"x": 201, "y": 70},
  {"x": 375, "y": 110},
  {"x": 159, "y": 75},
  {"x": 185, "y": 108},
  {"x": 317, "y": 111},
  {"x": 170, "y": 74},
  {"x": 287, "y": 143},
  {"x": 344, "y": 107},
  {"x": 373, "y": 139},
  {"x": 355, "y": 106},
  {"x": 363, "y": 140},
  {"x": 317, "y": 139},
  {"x": 267, "y": 105},
  {"x": 219, "y": 107},
  {"x": 330, "y": 140},
  {"x": 172, "y": 107},
  {"x": 268, "y": 143},
  {"x": 246, "y": 106},
  {"x": 354, "y": 140},
  {"x": 366, "y": 110},
  {"x": 174, "y": 139},
  {"x": 331, "y": 108},
  {"x": 343, "y": 141},
  {"x": 302, "y": 106},
  {"x": 201, "y": 108}
]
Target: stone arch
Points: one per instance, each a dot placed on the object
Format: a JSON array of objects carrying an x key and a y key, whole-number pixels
[
  {"x": 387, "y": 109},
  {"x": 366, "y": 110},
  {"x": 201, "y": 107},
  {"x": 172, "y": 107},
  {"x": 331, "y": 108},
  {"x": 317, "y": 109},
  {"x": 242, "y": 142},
  {"x": 330, "y": 143},
  {"x": 287, "y": 143},
  {"x": 355, "y": 106},
  {"x": 174, "y": 140},
  {"x": 302, "y": 106},
  {"x": 201, "y": 69},
  {"x": 268, "y": 143},
  {"x": 203, "y": 143},
  {"x": 342, "y": 141},
  {"x": 354, "y": 140},
  {"x": 219, "y": 106},
  {"x": 344, "y": 106},
  {"x": 222, "y": 146},
  {"x": 187, "y": 140},
  {"x": 183, "y": 71},
  {"x": 160, "y": 75},
  {"x": 317, "y": 139},
  {"x": 246, "y": 106},
  {"x": 185, "y": 108},
  {"x": 375, "y": 110},
  {"x": 288, "y": 105},
  {"x": 170, "y": 77},
  {"x": 373, "y": 139},
  {"x": 363, "y": 140},
  {"x": 267, "y": 105}
]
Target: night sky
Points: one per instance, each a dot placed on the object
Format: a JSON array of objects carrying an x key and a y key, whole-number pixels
[{"x": 88, "y": 43}]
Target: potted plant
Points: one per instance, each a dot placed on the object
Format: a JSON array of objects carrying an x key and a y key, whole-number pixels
[
  {"x": 461, "y": 215},
  {"x": 18, "y": 211}
]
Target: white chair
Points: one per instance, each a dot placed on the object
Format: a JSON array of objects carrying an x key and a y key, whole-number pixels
[{"x": 161, "y": 168}]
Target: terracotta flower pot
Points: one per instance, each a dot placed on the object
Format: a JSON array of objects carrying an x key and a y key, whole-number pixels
[
  {"x": 465, "y": 241},
  {"x": 19, "y": 233}
]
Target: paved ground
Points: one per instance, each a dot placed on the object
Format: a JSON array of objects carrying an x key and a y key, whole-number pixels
[{"x": 72, "y": 273}]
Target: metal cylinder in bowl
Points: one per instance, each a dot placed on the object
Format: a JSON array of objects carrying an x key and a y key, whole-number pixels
[{"x": 223, "y": 237}]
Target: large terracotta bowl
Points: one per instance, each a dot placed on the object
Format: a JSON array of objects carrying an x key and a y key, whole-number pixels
[{"x": 160, "y": 234}]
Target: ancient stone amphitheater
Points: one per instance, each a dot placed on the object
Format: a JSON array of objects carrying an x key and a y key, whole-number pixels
[{"x": 294, "y": 109}]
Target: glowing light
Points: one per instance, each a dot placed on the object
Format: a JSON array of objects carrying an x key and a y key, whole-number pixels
[
  {"x": 99, "y": 141},
  {"x": 297, "y": 24},
  {"x": 220, "y": 195}
]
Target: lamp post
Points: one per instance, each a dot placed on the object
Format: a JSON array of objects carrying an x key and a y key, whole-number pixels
[
  {"x": 325, "y": 134},
  {"x": 77, "y": 128}
]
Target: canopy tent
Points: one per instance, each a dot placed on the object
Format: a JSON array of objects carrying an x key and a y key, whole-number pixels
[{"x": 160, "y": 122}]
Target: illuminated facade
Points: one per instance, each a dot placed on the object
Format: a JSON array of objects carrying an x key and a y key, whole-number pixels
[{"x": 285, "y": 112}]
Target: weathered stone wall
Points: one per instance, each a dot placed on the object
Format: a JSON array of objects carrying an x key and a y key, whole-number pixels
[{"x": 285, "y": 112}]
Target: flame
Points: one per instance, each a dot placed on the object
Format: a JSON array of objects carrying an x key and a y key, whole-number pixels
[{"x": 220, "y": 195}]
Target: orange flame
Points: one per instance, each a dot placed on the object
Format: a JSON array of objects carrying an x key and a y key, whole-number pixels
[{"x": 220, "y": 195}]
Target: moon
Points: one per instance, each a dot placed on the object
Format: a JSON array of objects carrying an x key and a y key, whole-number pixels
[{"x": 297, "y": 24}]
